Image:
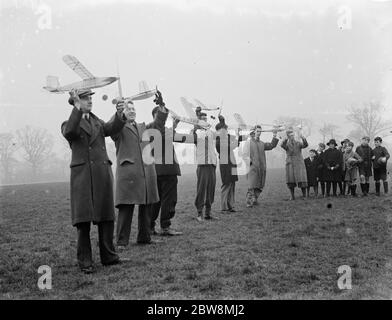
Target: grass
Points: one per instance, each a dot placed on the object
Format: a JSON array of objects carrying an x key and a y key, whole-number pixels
[{"x": 277, "y": 250}]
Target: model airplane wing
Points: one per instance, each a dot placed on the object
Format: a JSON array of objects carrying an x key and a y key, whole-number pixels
[
  {"x": 201, "y": 104},
  {"x": 239, "y": 120},
  {"x": 76, "y": 66},
  {"x": 188, "y": 108}
]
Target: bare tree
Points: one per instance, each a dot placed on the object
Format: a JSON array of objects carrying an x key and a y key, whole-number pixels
[
  {"x": 369, "y": 120},
  {"x": 37, "y": 144},
  {"x": 328, "y": 131},
  {"x": 7, "y": 150}
]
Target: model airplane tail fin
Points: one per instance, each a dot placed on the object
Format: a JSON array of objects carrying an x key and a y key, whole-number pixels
[
  {"x": 52, "y": 83},
  {"x": 143, "y": 87}
]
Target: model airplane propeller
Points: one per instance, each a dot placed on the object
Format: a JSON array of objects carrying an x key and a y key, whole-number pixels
[{"x": 89, "y": 80}]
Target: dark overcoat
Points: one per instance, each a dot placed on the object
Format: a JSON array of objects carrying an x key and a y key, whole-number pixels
[
  {"x": 333, "y": 158},
  {"x": 91, "y": 172},
  {"x": 227, "y": 163},
  {"x": 136, "y": 179},
  {"x": 321, "y": 169},
  {"x": 366, "y": 153},
  {"x": 311, "y": 171}
]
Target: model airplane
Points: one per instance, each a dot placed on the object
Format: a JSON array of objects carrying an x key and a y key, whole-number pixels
[
  {"x": 204, "y": 107},
  {"x": 89, "y": 81},
  {"x": 243, "y": 126},
  {"x": 144, "y": 93},
  {"x": 192, "y": 117}
]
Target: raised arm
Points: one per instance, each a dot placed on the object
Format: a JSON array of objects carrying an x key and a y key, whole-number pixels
[
  {"x": 284, "y": 144},
  {"x": 305, "y": 143},
  {"x": 114, "y": 125},
  {"x": 271, "y": 145},
  {"x": 71, "y": 129}
]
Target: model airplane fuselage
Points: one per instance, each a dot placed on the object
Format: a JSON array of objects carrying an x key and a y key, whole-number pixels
[
  {"x": 89, "y": 80},
  {"x": 83, "y": 85}
]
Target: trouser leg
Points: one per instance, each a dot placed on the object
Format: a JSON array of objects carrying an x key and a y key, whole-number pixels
[
  {"x": 385, "y": 183},
  {"x": 334, "y": 188},
  {"x": 315, "y": 188},
  {"x": 210, "y": 193},
  {"x": 168, "y": 200},
  {"x": 340, "y": 185},
  {"x": 257, "y": 193},
  {"x": 156, "y": 207},
  {"x": 84, "y": 253},
  {"x": 322, "y": 184},
  {"x": 107, "y": 251},
  {"x": 303, "y": 192},
  {"x": 124, "y": 223},
  {"x": 225, "y": 193},
  {"x": 329, "y": 184},
  {"x": 144, "y": 222},
  {"x": 378, "y": 187},
  {"x": 231, "y": 197},
  {"x": 201, "y": 188}
]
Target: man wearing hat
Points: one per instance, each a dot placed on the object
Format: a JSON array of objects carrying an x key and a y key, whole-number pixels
[
  {"x": 321, "y": 167},
  {"x": 225, "y": 144},
  {"x": 333, "y": 162},
  {"x": 91, "y": 177},
  {"x": 365, "y": 167},
  {"x": 167, "y": 168},
  {"x": 380, "y": 159},
  {"x": 254, "y": 153}
]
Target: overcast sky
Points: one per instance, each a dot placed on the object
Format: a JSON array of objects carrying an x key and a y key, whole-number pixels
[{"x": 265, "y": 59}]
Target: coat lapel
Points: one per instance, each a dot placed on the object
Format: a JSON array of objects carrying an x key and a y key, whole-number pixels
[
  {"x": 133, "y": 129},
  {"x": 85, "y": 126},
  {"x": 95, "y": 128}
]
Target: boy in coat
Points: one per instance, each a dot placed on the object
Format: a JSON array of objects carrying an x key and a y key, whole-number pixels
[
  {"x": 365, "y": 167},
  {"x": 91, "y": 178},
  {"x": 333, "y": 162},
  {"x": 380, "y": 159},
  {"x": 351, "y": 160},
  {"x": 136, "y": 180},
  {"x": 311, "y": 164}
]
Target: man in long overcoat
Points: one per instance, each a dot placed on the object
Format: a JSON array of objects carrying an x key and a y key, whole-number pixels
[
  {"x": 136, "y": 180},
  {"x": 91, "y": 178},
  {"x": 254, "y": 152}
]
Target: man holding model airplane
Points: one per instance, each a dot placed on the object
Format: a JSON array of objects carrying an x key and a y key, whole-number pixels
[{"x": 91, "y": 177}]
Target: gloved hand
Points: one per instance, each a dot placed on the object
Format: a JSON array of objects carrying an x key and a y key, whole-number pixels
[{"x": 158, "y": 99}]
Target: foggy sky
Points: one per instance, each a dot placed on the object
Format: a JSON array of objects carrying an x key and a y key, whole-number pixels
[{"x": 265, "y": 59}]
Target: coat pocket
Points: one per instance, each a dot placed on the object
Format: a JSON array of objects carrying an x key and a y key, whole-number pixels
[
  {"x": 77, "y": 163},
  {"x": 124, "y": 162}
]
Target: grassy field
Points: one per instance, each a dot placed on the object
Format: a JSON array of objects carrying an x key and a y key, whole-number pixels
[{"x": 277, "y": 250}]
